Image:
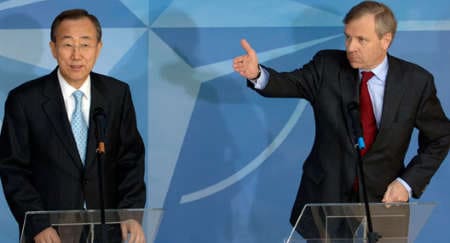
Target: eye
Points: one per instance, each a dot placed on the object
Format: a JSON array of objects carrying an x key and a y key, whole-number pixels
[{"x": 362, "y": 40}]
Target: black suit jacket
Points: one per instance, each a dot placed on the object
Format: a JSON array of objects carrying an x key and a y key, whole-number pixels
[
  {"x": 39, "y": 164},
  {"x": 329, "y": 83}
]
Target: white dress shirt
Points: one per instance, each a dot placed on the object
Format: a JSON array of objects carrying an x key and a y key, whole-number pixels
[{"x": 69, "y": 100}]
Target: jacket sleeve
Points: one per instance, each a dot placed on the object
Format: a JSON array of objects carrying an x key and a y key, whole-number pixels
[
  {"x": 15, "y": 166},
  {"x": 132, "y": 192},
  {"x": 434, "y": 141},
  {"x": 304, "y": 82}
]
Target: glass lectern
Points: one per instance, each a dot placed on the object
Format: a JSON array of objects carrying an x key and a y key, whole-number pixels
[
  {"x": 395, "y": 223},
  {"x": 86, "y": 225}
]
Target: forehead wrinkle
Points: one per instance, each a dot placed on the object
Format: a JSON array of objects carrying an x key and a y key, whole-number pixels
[{"x": 350, "y": 32}]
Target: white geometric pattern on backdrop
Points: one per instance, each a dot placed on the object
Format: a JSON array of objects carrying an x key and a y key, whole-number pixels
[
  {"x": 124, "y": 39},
  {"x": 17, "y": 3},
  {"x": 173, "y": 126}
]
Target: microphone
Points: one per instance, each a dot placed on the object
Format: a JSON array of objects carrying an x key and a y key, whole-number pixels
[
  {"x": 356, "y": 124},
  {"x": 100, "y": 124}
]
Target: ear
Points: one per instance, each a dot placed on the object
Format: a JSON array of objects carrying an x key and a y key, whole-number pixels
[
  {"x": 99, "y": 48},
  {"x": 53, "y": 48},
  {"x": 386, "y": 40}
]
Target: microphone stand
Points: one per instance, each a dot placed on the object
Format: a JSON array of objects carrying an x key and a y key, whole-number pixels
[
  {"x": 100, "y": 152},
  {"x": 100, "y": 117},
  {"x": 372, "y": 236}
]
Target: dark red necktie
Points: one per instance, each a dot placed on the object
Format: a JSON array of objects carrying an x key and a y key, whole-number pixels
[
  {"x": 368, "y": 122},
  {"x": 367, "y": 117}
]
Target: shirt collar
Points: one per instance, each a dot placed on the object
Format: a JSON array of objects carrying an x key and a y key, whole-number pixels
[
  {"x": 380, "y": 71},
  {"x": 67, "y": 89}
]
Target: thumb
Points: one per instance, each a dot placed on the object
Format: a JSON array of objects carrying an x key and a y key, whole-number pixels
[
  {"x": 386, "y": 197},
  {"x": 124, "y": 230},
  {"x": 247, "y": 47}
]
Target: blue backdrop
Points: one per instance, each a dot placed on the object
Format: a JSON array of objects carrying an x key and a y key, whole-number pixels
[{"x": 222, "y": 161}]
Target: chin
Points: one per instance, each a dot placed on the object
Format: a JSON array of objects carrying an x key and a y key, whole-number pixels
[{"x": 355, "y": 65}]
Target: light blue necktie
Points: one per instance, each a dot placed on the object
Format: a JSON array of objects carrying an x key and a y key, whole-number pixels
[{"x": 79, "y": 125}]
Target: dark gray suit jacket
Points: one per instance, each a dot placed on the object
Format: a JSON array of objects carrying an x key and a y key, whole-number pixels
[
  {"x": 329, "y": 83},
  {"x": 39, "y": 164}
]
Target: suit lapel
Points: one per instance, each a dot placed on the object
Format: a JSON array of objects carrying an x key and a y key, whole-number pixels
[
  {"x": 56, "y": 113},
  {"x": 348, "y": 78},
  {"x": 98, "y": 99},
  {"x": 393, "y": 93}
]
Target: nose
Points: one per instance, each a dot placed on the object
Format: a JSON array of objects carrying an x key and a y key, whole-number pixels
[
  {"x": 350, "y": 45},
  {"x": 76, "y": 52}
]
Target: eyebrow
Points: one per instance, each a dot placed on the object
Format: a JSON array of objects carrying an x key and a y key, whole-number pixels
[
  {"x": 85, "y": 37},
  {"x": 358, "y": 36}
]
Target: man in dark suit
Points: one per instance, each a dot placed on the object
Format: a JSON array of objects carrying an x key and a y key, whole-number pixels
[
  {"x": 44, "y": 164},
  {"x": 401, "y": 97}
]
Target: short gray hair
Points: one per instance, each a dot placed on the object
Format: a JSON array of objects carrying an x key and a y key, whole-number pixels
[
  {"x": 74, "y": 14},
  {"x": 385, "y": 21}
]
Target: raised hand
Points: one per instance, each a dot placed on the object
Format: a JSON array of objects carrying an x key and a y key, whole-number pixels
[{"x": 247, "y": 65}]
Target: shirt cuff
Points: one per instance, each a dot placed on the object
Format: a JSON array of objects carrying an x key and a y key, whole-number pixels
[
  {"x": 261, "y": 82},
  {"x": 408, "y": 188}
]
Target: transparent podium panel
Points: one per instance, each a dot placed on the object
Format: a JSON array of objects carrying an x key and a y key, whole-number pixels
[
  {"x": 76, "y": 226},
  {"x": 394, "y": 222}
]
